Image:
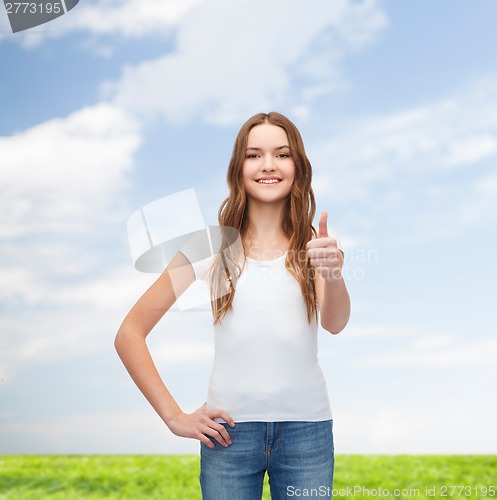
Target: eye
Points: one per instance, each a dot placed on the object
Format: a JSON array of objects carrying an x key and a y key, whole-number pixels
[
  {"x": 251, "y": 156},
  {"x": 284, "y": 155}
]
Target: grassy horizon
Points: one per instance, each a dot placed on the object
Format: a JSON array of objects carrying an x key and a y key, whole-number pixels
[{"x": 175, "y": 477}]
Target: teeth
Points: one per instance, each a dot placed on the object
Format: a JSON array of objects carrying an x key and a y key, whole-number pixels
[{"x": 268, "y": 181}]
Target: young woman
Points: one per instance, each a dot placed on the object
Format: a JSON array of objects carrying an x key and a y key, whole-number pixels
[{"x": 267, "y": 406}]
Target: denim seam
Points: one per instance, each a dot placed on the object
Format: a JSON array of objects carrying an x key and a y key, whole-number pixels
[
  {"x": 267, "y": 446},
  {"x": 278, "y": 435}
]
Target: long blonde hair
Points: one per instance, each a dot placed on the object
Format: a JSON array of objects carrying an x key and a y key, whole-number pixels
[{"x": 298, "y": 215}]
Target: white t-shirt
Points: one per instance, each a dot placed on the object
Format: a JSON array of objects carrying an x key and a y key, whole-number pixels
[{"x": 265, "y": 363}]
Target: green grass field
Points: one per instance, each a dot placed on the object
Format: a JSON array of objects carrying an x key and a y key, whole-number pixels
[{"x": 175, "y": 477}]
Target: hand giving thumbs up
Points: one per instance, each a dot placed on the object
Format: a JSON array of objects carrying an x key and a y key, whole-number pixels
[{"x": 323, "y": 252}]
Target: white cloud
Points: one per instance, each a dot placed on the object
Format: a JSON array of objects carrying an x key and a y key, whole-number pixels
[
  {"x": 411, "y": 345},
  {"x": 236, "y": 58},
  {"x": 427, "y": 172},
  {"x": 138, "y": 431},
  {"x": 455, "y": 132},
  {"x": 392, "y": 430},
  {"x": 125, "y": 18},
  {"x": 387, "y": 430},
  {"x": 438, "y": 352},
  {"x": 62, "y": 298},
  {"x": 62, "y": 173},
  {"x": 4, "y": 23},
  {"x": 60, "y": 181},
  {"x": 434, "y": 341},
  {"x": 480, "y": 204},
  {"x": 106, "y": 289},
  {"x": 129, "y": 18},
  {"x": 230, "y": 59},
  {"x": 377, "y": 330},
  {"x": 72, "y": 320},
  {"x": 34, "y": 337}
]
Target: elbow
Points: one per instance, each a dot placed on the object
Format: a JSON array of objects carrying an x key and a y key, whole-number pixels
[
  {"x": 130, "y": 334},
  {"x": 334, "y": 327},
  {"x": 118, "y": 340},
  {"x": 332, "y": 331},
  {"x": 122, "y": 339}
]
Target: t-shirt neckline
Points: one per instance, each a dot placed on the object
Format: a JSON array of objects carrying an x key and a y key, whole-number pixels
[{"x": 266, "y": 261}]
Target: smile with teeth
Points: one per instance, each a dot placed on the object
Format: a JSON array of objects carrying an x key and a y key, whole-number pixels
[{"x": 268, "y": 181}]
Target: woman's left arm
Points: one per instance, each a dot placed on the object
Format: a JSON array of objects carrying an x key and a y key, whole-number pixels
[{"x": 331, "y": 292}]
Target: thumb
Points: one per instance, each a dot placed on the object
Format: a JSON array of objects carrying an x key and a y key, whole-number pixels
[{"x": 323, "y": 225}]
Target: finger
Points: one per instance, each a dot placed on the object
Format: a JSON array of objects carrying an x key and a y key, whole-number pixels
[
  {"x": 206, "y": 440},
  {"x": 219, "y": 433},
  {"x": 224, "y": 435},
  {"x": 221, "y": 414},
  {"x": 328, "y": 253},
  {"x": 323, "y": 225},
  {"x": 227, "y": 418}
]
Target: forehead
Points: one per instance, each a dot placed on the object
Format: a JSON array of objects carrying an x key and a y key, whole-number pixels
[{"x": 267, "y": 135}]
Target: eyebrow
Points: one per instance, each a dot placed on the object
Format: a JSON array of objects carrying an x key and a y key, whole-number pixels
[{"x": 276, "y": 149}]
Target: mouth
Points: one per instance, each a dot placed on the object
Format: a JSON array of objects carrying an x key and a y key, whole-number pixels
[{"x": 269, "y": 180}]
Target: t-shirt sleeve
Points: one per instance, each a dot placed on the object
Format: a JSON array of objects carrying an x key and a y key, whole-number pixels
[
  {"x": 198, "y": 252},
  {"x": 201, "y": 267}
]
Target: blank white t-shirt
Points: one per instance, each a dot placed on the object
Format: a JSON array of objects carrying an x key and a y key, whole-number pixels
[{"x": 265, "y": 363}]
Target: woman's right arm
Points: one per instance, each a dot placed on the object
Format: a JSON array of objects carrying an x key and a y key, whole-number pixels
[{"x": 130, "y": 344}]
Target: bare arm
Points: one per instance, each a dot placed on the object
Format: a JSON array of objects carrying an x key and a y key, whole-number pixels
[
  {"x": 130, "y": 344},
  {"x": 333, "y": 300},
  {"x": 331, "y": 293}
]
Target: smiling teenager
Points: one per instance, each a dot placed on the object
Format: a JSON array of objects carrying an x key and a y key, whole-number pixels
[{"x": 267, "y": 407}]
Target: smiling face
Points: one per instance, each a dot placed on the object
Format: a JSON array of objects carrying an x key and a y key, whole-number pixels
[
  {"x": 268, "y": 146},
  {"x": 268, "y": 170}
]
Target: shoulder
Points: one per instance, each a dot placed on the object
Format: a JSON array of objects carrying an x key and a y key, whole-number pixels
[
  {"x": 197, "y": 250},
  {"x": 200, "y": 267}
]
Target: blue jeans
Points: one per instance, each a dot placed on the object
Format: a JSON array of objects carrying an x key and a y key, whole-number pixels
[{"x": 298, "y": 457}]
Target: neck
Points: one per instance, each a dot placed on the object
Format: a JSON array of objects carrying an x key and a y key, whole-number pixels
[{"x": 265, "y": 225}]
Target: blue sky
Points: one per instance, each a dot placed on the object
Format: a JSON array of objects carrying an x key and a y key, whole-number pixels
[{"x": 119, "y": 103}]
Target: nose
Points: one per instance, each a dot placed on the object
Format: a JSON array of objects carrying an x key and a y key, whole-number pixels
[{"x": 268, "y": 165}]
